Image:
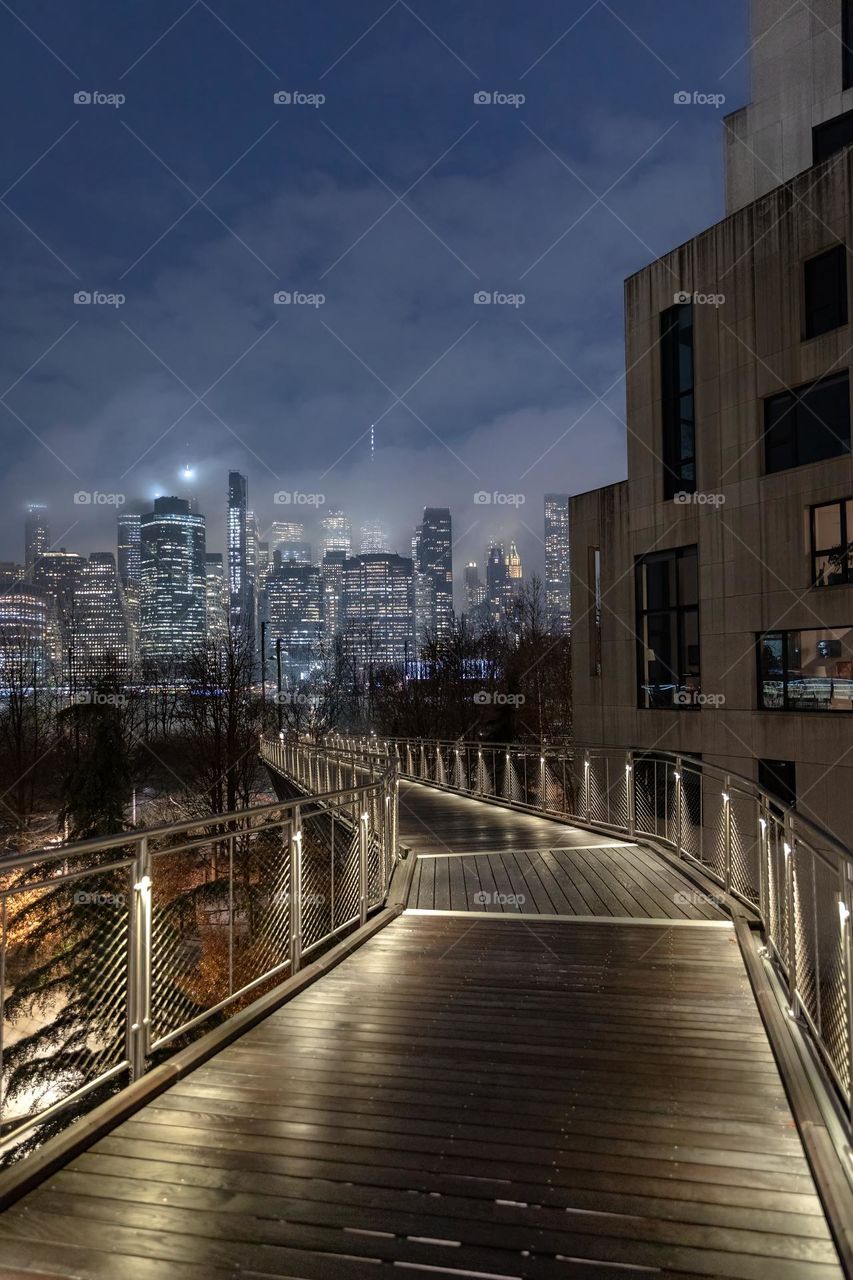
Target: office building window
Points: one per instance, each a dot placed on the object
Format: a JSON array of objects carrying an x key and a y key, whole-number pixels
[
  {"x": 806, "y": 670},
  {"x": 832, "y": 555},
  {"x": 826, "y": 291},
  {"x": 847, "y": 42},
  {"x": 808, "y": 424},
  {"x": 678, "y": 409},
  {"x": 595, "y": 603},
  {"x": 667, "y": 587},
  {"x": 829, "y": 138},
  {"x": 779, "y": 777}
]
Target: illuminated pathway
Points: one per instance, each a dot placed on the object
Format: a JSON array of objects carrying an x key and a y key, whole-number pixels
[{"x": 498, "y": 1091}]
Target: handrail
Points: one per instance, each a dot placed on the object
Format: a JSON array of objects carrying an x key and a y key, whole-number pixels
[
  {"x": 794, "y": 875},
  {"x": 146, "y": 936}
]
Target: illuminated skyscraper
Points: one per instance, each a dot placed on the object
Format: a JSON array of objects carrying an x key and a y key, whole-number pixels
[
  {"x": 498, "y": 585},
  {"x": 373, "y": 538},
  {"x": 129, "y": 524},
  {"x": 432, "y": 548},
  {"x": 36, "y": 534},
  {"x": 60, "y": 573},
  {"x": 378, "y": 609},
  {"x": 332, "y": 584},
  {"x": 216, "y": 596},
  {"x": 295, "y": 618},
  {"x": 513, "y": 565},
  {"x": 285, "y": 531},
  {"x": 100, "y": 643},
  {"x": 173, "y": 585},
  {"x": 475, "y": 592},
  {"x": 28, "y": 640},
  {"x": 337, "y": 532},
  {"x": 558, "y": 575},
  {"x": 129, "y": 528},
  {"x": 241, "y": 606}
]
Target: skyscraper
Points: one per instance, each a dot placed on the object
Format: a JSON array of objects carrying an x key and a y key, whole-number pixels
[
  {"x": 378, "y": 609},
  {"x": 558, "y": 575},
  {"x": 295, "y": 618},
  {"x": 28, "y": 646},
  {"x": 498, "y": 585},
  {"x": 59, "y": 573},
  {"x": 129, "y": 525},
  {"x": 432, "y": 547},
  {"x": 100, "y": 642},
  {"x": 513, "y": 566},
  {"x": 337, "y": 532},
  {"x": 173, "y": 585},
  {"x": 475, "y": 592},
  {"x": 332, "y": 584},
  {"x": 241, "y": 608},
  {"x": 129, "y": 530},
  {"x": 36, "y": 534},
  {"x": 216, "y": 596},
  {"x": 285, "y": 531},
  {"x": 373, "y": 537}
]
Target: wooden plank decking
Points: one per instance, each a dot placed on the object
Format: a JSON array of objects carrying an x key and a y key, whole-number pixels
[
  {"x": 463, "y": 1097},
  {"x": 476, "y": 857},
  {"x": 468, "y": 1096}
]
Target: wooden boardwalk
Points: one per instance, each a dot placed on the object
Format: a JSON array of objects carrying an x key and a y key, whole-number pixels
[
  {"x": 464, "y": 1096},
  {"x": 474, "y": 857}
]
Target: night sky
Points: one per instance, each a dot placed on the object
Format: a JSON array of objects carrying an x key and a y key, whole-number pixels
[{"x": 398, "y": 199}]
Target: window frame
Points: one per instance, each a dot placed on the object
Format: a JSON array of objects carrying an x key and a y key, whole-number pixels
[
  {"x": 797, "y": 394},
  {"x": 820, "y": 131},
  {"x": 673, "y": 394},
  {"x": 810, "y": 333},
  {"x": 680, "y": 612},
  {"x": 846, "y": 45},
  {"x": 788, "y": 707},
  {"x": 844, "y": 547}
]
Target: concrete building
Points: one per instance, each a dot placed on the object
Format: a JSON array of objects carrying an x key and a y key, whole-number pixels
[
  {"x": 240, "y": 581},
  {"x": 714, "y": 587}
]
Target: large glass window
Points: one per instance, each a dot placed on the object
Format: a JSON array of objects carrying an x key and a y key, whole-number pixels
[
  {"x": 847, "y": 41},
  {"x": 807, "y": 424},
  {"x": 679, "y": 420},
  {"x": 667, "y": 587},
  {"x": 832, "y": 554},
  {"x": 806, "y": 670},
  {"x": 826, "y": 291},
  {"x": 829, "y": 138}
]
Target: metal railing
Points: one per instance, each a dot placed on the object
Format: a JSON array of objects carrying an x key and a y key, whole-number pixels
[
  {"x": 795, "y": 876},
  {"x": 114, "y": 951}
]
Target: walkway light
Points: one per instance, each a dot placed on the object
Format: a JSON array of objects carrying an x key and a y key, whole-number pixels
[
  {"x": 762, "y": 823},
  {"x": 843, "y": 913},
  {"x": 677, "y": 777},
  {"x": 725, "y": 797},
  {"x": 786, "y": 848},
  {"x": 143, "y": 885}
]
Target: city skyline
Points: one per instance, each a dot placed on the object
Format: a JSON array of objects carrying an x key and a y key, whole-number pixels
[{"x": 195, "y": 370}]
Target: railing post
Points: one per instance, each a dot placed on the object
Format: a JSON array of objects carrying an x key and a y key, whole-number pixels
[
  {"x": 542, "y": 777},
  {"x": 362, "y": 866},
  {"x": 727, "y": 835},
  {"x": 763, "y": 859},
  {"x": 845, "y": 908},
  {"x": 630, "y": 795},
  {"x": 586, "y": 785},
  {"x": 296, "y": 891},
  {"x": 139, "y": 969},
  {"x": 679, "y": 783},
  {"x": 789, "y": 848}
]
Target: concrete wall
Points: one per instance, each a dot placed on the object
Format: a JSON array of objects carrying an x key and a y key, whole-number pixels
[
  {"x": 797, "y": 79},
  {"x": 754, "y": 549}
]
